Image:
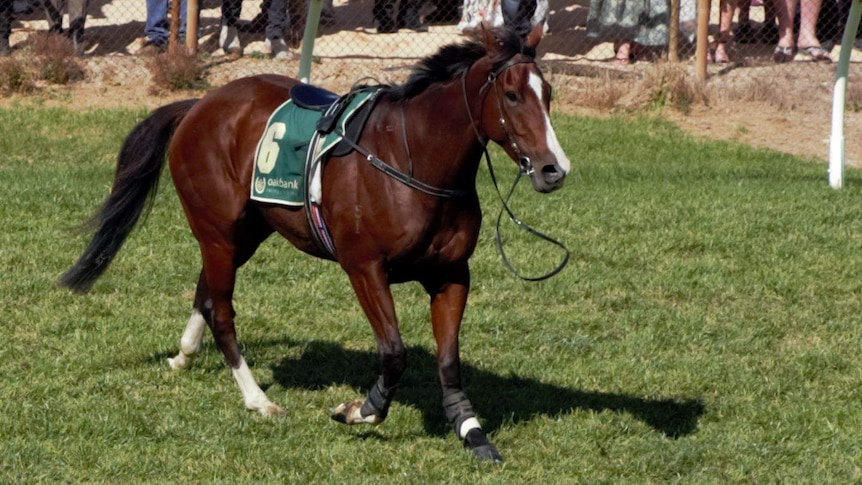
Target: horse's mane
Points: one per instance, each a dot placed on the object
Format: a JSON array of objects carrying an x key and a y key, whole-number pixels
[{"x": 453, "y": 60}]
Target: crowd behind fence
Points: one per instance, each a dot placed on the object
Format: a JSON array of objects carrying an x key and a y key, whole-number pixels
[{"x": 612, "y": 34}]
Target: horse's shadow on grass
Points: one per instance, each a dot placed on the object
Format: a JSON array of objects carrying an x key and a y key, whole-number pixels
[{"x": 497, "y": 399}]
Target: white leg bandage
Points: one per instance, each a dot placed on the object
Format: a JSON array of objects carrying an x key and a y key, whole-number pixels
[{"x": 467, "y": 425}]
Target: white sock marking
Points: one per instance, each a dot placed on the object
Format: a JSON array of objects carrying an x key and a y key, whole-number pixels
[
  {"x": 252, "y": 395},
  {"x": 190, "y": 342}
]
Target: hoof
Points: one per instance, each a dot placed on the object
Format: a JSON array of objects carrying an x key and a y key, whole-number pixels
[
  {"x": 181, "y": 361},
  {"x": 487, "y": 453},
  {"x": 351, "y": 413},
  {"x": 266, "y": 409},
  {"x": 273, "y": 410},
  {"x": 482, "y": 449}
]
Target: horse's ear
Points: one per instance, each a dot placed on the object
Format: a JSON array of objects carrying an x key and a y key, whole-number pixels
[
  {"x": 535, "y": 35},
  {"x": 489, "y": 38}
]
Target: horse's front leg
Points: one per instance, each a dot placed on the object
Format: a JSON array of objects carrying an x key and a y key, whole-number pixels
[
  {"x": 448, "y": 299},
  {"x": 372, "y": 289}
]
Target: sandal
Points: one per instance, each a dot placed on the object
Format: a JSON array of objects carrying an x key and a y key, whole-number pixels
[
  {"x": 816, "y": 53},
  {"x": 623, "y": 55},
  {"x": 782, "y": 54},
  {"x": 721, "y": 55}
]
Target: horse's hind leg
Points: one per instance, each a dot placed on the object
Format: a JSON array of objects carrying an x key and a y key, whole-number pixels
[
  {"x": 190, "y": 342},
  {"x": 221, "y": 261},
  {"x": 214, "y": 303}
]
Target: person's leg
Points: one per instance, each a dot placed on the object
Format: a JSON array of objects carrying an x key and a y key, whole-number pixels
[
  {"x": 808, "y": 43},
  {"x": 809, "y": 11},
  {"x": 785, "y": 11},
  {"x": 230, "y": 12},
  {"x": 725, "y": 20},
  {"x": 6, "y": 13},
  {"x": 517, "y": 15},
  {"x": 382, "y": 12},
  {"x": 54, "y": 13},
  {"x": 408, "y": 15},
  {"x": 156, "y": 27},
  {"x": 228, "y": 39},
  {"x": 276, "y": 19},
  {"x": 77, "y": 19}
]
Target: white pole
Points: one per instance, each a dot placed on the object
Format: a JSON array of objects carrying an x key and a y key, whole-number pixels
[
  {"x": 836, "y": 141},
  {"x": 311, "y": 22}
]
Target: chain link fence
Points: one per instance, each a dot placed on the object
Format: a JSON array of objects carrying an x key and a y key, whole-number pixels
[{"x": 348, "y": 45}]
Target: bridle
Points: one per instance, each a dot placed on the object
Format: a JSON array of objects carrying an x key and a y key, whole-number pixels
[{"x": 524, "y": 163}]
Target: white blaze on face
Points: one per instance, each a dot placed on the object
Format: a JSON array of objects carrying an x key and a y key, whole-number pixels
[{"x": 553, "y": 143}]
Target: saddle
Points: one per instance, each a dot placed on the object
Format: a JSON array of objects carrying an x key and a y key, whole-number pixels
[{"x": 332, "y": 106}]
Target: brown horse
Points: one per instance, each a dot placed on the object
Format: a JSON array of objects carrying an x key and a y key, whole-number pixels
[{"x": 384, "y": 229}]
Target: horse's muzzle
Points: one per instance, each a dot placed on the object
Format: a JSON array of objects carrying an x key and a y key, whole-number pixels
[{"x": 548, "y": 179}]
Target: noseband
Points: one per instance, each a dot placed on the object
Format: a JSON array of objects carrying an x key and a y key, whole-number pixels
[{"x": 524, "y": 163}]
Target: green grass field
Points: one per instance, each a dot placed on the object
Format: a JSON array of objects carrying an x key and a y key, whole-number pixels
[{"x": 707, "y": 329}]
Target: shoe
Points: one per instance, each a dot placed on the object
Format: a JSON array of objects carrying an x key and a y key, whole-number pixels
[
  {"x": 782, "y": 55},
  {"x": 228, "y": 40},
  {"x": 152, "y": 47},
  {"x": 276, "y": 48},
  {"x": 721, "y": 56},
  {"x": 816, "y": 53}
]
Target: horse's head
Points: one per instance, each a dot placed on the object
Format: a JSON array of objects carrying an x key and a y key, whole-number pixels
[{"x": 516, "y": 110}]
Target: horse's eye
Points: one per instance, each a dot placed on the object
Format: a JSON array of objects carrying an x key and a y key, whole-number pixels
[{"x": 511, "y": 96}]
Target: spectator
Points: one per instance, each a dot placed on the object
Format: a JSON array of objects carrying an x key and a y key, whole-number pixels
[
  {"x": 807, "y": 43},
  {"x": 745, "y": 33},
  {"x": 445, "y": 12},
  {"x": 6, "y": 13},
  {"x": 638, "y": 29},
  {"x": 517, "y": 15},
  {"x": 228, "y": 39},
  {"x": 274, "y": 44},
  {"x": 407, "y": 18},
  {"x": 77, "y": 17},
  {"x": 296, "y": 13},
  {"x": 157, "y": 28},
  {"x": 727, "y": 8}
]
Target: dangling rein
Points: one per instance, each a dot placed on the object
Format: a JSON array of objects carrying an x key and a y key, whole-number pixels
[{"x": 525, "y": 167}]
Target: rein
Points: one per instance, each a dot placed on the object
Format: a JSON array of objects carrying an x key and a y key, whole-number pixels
[
  {"x": 406, "y": 179},
  {"x": 525, "y": 167}
]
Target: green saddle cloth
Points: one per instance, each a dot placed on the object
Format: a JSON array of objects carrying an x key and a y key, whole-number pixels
[{"x": 279, "y": 162}]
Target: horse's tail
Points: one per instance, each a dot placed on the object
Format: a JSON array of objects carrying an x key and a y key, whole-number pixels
[{"x": 139, "y": 165}]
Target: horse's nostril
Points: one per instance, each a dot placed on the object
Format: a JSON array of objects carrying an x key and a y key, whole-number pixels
[{"x": 552, "y": 174}]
